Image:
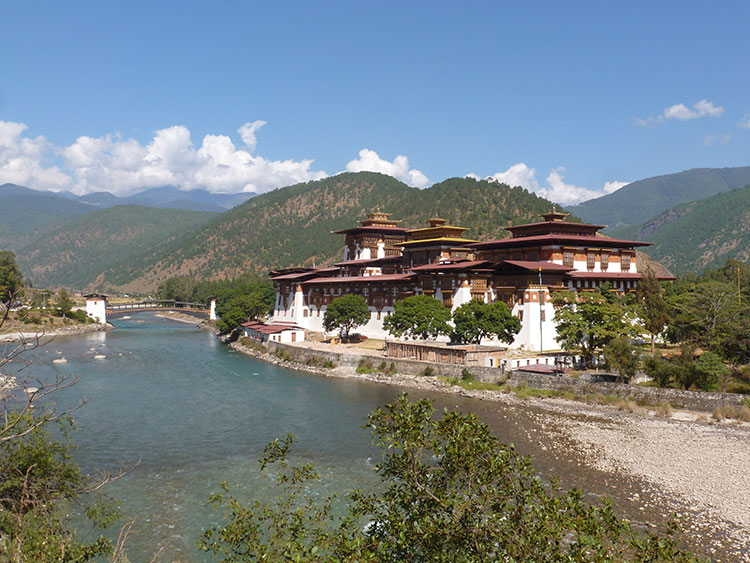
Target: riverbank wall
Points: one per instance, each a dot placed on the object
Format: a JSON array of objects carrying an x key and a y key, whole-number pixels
[{"x": 305, "y": 359}]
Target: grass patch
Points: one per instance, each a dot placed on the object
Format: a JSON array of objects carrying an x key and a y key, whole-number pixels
[
  {"x": 741, "y": 413},
  {"x": 663, "y": 409},
  {"x": 283, "y": 354},
  {"x": 627, "y": 405},
  {"x": 365, "y": 366}
]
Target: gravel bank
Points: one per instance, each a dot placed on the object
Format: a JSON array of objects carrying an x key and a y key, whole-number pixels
[
  {"x": 697, "y": 467},
  {"x": 46, "y": 334}
]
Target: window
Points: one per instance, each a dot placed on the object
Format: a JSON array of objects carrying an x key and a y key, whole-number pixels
[
  {"x": 544, "y": 316},
  {"x": 625, "y": 262},
  {"x": 568, "y": 258},
  {"x": 590, "y": 260},
  {"x": 604, "y": 261}
]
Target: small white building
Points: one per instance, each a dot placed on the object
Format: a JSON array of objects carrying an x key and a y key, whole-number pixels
[
  {"x": 96, "y": 307},
  {"x": 275, "y": 332}
]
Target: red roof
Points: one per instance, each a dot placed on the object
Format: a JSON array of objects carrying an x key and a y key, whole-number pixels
[
  {"x": 360, "y": 279},
  {"x": 559, "y": 239},
  {"x": 536, "y": 264},
  {"x": 450, "y": 265},
  {"x": 269, "y": 329},
  {"x": 565, "y": 225},
  {"x": 366, "y": 261},
  {"x": 300, "y": 275},
  {"x": 371, "y": 229}
]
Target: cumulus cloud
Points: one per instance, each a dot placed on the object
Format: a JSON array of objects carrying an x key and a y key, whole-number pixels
[
  {"x": 717, "y": 139},
  {"x": 555, "y": 188},
  {"x": 681, "y": 112},
  {"x": 23, "y": 159},
  {"x": 124, "y": 166},
  {"x": 370, "y": 161}
]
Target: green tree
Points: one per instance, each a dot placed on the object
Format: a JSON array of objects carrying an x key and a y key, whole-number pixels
[
  {"x": 450, "y": 493},
  {"x": 661, "y": 370},
  {"x": 653, "y": 308},
  {"x": 621, "y": 355},
  {"x": 589, "y": 320},
  {"x": 345, "y": 313},
  {"x": 64, "y": 302},
  {"x": 240, "y": 309},
  {"x": 11, "y": 279},
  {"x": 418, "y": 317},
  {"x": 476, "y": 320}
]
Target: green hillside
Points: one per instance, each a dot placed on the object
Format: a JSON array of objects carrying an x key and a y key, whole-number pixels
[
  {"x": 698, "y": 235},
  {"x": 292, "y": 226},
  {"x": 76, "y": 254},
  {"x": 638, "y": 202},
  {"x": 25, "y": 215}
]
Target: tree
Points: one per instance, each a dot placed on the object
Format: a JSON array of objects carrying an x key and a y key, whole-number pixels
[
  {"x": 621, "y": 355},
  {"x": 476, "y": 320},
  {"x": 344, "y": 313},
  {"x": 64, "y": 302},
  {"x": 450, "y": 493},
  {"x": 11, "y": 279},
  {"x": 661, "y": 370},
  {"x": 653, "y": 308},
  {"x": 239, "y": 309},
  {"x": 590, "y": 320},
  {"x": 418, "y": 317},
  {"x": 39, "y": 481}
]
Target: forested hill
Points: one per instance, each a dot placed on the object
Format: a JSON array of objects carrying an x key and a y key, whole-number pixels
[
  {"x": 76, "y": 253},
  {"x": 640, "y": 201},
  {"x": 698, "y": 235},
  {"x": 292, "y": 225},
  {"x": 26, "y": 215}
]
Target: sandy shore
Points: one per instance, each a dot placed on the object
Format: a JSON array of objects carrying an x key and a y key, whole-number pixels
[
  {"x": 51, "y": 333},
  {"x": 180, "y": 317},
  {"x": 698, "y": 467}
]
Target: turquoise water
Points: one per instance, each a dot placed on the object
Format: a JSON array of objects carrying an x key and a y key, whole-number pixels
[{"x": 197, "y": 413}]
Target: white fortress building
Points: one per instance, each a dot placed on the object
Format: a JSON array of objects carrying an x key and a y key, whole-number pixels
[{"x": 384, "y": 262}]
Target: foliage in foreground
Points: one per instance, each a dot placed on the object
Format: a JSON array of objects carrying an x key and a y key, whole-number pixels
[
  {"x": 39, "y": 484},
  {"x": 450, "y": 492}
]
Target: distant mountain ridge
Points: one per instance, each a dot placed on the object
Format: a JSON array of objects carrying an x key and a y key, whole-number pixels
[
  {"x": 640, "y": 201},
  {"x": 165, "y": 197},
  {"x": 700, "y": 234}
]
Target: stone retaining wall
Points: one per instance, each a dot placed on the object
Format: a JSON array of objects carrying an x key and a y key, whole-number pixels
[{"x": 693, "y": 400}]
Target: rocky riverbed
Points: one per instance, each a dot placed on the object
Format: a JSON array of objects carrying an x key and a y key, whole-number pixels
[{"x": 686, "y": 463}]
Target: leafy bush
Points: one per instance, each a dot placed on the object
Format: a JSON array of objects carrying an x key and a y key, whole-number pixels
[{"x": 428, "y": 372}]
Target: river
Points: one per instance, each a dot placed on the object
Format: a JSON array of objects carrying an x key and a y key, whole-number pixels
[{"x": 196, "y": 413}]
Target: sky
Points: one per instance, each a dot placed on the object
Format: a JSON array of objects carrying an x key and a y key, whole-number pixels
[{"x": 571, "y": 100}]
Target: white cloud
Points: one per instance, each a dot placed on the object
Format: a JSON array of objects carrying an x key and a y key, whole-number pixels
[
  {"x": 555, "y": 189},
  {"x": 612, "y": 187},
  {"x": 370, "y": 161},
  {"x": 22, "y": 159},
  {"x": 247, "y": 133},
  {"x": 124, "y": 166},
  {"x": 681, "y": 112},
  {"x": 744, "y": 122},
  {"x": 717, "y": 139}
]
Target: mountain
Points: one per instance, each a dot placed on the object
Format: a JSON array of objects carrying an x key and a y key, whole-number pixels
[
  {"x": 26, "y": 214},
  {"x": 76, "y": 253},
  {"x": 698, "y": 235},
  {"x": 292, "y": 225},
  {"x": 638, "y": 202},
  {"x": 196, "y": 200}
]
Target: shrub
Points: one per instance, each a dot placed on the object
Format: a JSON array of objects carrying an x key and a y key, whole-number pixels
[
  {"x": 283, "y": 354},
  {"x": 428, "y": 372},
  {"x": 329, "y": 364},
  {"x": 466, "y": 375},
  {"x": 664, "y": 409},
  {"x": 365, "y": 366},
  {"x": 627, "y": 405},
  {"x": 743, "y": 413}
]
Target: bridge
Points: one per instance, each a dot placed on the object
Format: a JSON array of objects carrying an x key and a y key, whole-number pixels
[{"x": 98, "y": 307}]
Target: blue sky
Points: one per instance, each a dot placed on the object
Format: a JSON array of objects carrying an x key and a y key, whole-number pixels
[{"x": 565, "y": 98}]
